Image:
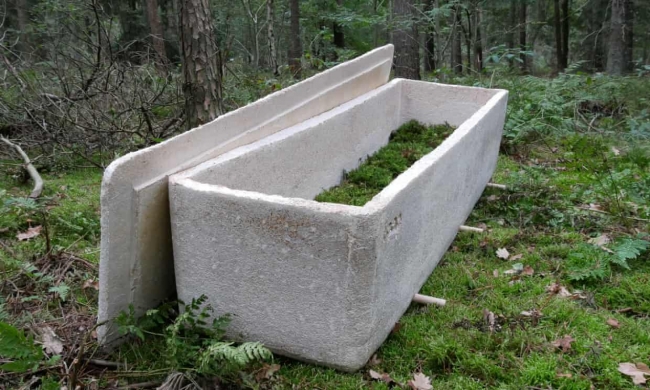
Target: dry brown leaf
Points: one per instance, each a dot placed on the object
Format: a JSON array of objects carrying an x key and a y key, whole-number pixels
[
  {"x": 616, "y": 151},
  {"x": 503, "y": 253},
  {"x": 594, "y": 206},
  {"x": 601, "y": 240},
  {"x": 567, "y": 375},
  {"x": 374, "y": 360},
  {"x": 420, "y": 382},
  {"x": 613, "y": 322},
  {"x": 30, "y": 233},
  {"x": 528, "y": 271},
  {"x": 489, "y": 319},
  {"x": 270, "y": 370},
  {"x": 90, "y": 283},
  {"x": 559, "y": 290},
  {"x": 52, "y": 344},
  {"x": 396, "y": 328},
  {"x": 516, "y": 257},
  {"x": 495, "y": 273},
  {"x": 380, "y": 376},
  {"x": 564, "y": 343},
  {"x": 636, "y": 371}
]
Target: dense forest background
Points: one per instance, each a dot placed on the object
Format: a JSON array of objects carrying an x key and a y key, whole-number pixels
[{"x": 96, "y": 78}]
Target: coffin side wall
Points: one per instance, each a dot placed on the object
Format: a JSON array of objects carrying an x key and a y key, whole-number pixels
[
  {"x": 297, "y": 278},
  {"x": 136, "y": 265},
  {"x": 422, "y": 211}
]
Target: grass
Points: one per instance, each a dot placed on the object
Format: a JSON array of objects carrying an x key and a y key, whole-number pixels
[
  {"x": 407, "y": 144},
  {"x": 564, "y": 190}
]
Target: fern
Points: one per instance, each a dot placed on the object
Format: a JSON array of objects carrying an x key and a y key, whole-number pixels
[
  {"x": 628, "y": 249},
  {"x": 225, "y": 352},
  {"x": 22, "y": 350}
]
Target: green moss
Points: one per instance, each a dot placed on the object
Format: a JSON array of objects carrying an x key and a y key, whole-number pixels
[{"x": 409, "y": 143}]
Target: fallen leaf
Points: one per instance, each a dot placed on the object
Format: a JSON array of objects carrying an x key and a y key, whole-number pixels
[
  {"x": 531, "y": 313},
  {"x": 516, "y": 257},
  {"x": 492, "y": 198},
  {"x": 517, "y": 268},
  {"x": 374, "y": 360},
  {"x": 594, "y": 206},
  {"x": 489, "y": 319},
  {"x": 567, "y": 375},
  {"x": 396, "y": 328},
  {"x": 636, "y": 371},
  {"x": 528, "y": 271},
  {"x": 616, "y": 151},
  {"x": 564, "y": 343},
  {"x": 503, "y": 253},
  {"x": 270, "y": 370},
  {"x": 613, "y": 323},
  {"x": 601, "y": 240},
  {"x": 380, "y": 377},
  {"x": 420, "y": 382},
  {"x": 495, "y": 273},
  {"x": 52, "y": 344},
  {"x": 559, "y": 290},
  {"x": 30, "y": 233},
  {"x": 4, "y": 230},
  {"x": 90, "y": 283}
]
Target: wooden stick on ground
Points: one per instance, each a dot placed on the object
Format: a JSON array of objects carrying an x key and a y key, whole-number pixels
[
  {"x": 33, "y": 173},
  {"x": 498, "y": 186},
  {"x": 427, "y": 300},
  {"x": 464, "y": 228}
]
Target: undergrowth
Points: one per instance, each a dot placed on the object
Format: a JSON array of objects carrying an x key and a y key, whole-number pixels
[{"x": 407, "y": 144}]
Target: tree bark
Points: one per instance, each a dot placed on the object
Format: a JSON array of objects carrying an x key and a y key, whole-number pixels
[
  {"x": 468, "y": 39},
  {"x": 429, "y": 41},
  {"x": 565, "y": 33},
  {"x": 595, "y": 20},
  {"x": 155, "y": 28},
  {"x": 295, "y": 46},
  {"x": 273, "y": 55},
  {"x": 456, "y": 48},
  {"x": 619, "y": 57},
  {"x": 201, "y": 64},
  {"x": 21, "y": 19},
  {"x": 558, "y": 36},
  {"x": 522, "y": 37},
  {"x": 405, "y": 39},
  {"x": 510, "y": 37},
  {"x": 478, "y": 45},
  {"x": 337, "y": 30}
]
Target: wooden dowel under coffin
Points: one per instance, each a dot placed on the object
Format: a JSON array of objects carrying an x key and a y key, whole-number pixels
[
  {"x": 498, "y": 186},
  {"x": 464, "y": 228},
  {"x": 427, "y": 300}
]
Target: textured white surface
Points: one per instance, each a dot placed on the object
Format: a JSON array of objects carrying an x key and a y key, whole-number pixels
[
  {"x": 323, "y": 282},
  {"x": 136, "y": 265}
]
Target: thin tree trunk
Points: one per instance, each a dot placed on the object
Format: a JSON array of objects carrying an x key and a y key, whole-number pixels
[
  {"x": 429, "y": 41},
  {"x": 405, "y": 39},
  {"x": 156, "y": 30},
  {"x": 337, "y": 30},
  {"x": 468, "y": 39},
  {"x": 295, "y": 46},
  {"x": 558, "y": 35},
  {"x": 273, "y": 55},
  {"x": 619, "y": 36},
  {"x": 201, "y": 64},
  {"x": 565, "y": 33},
  {"x": 510, "y": 38},
  {"x": 478, "y": 45},
  {"x": 457, "y": 50},
  {"x": 522, "y": 37},
  {"x": 21, "y": 16}
]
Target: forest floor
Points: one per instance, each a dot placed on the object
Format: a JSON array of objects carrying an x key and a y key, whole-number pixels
[{"x": 555, "y": 293}]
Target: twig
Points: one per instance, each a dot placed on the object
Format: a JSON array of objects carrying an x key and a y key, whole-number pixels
[
  {"x": 613, "y": 215},
  {"x": 143, "y": 385},
  {"x": 105, "y": 363},
  {"x": 33, "y": 173}
]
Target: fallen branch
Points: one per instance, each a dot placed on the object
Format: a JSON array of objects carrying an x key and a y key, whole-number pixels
[{"x": 33, "y": 173}]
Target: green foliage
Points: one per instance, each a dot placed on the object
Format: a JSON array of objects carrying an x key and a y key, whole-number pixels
[
  {"x": 191, "y": 341},
  {"x": 591, "y": 263},
  {"x": 407, "y": 144},
  {"x": 25, "y": 355}
]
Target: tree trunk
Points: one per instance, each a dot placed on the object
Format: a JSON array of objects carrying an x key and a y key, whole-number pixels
[
  {"x": 565, "y": 33},
  {"x": 295, "y": 46},
  {"x": 522, "y": 37},
  {"x": 273, "y": 55},
  {"x": 510, "y": 37},
  {"x": 156, "y": 30},
  {"x": 468, "y": 39},
  {"x": 595, "y": 20},
  {"x": 21, "y": 16},
  {"x": 405, "y": 39},
  {"x": 478, "y": 45},
  {"x": 456, "y": 49},
  {"x": 618, "y": 60},
  {"x": 429, "y": 41},
  {"x": 558, "y": 36},
  {"x": 201, "y": 64},
  {"x": 337, "y": 30}
]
